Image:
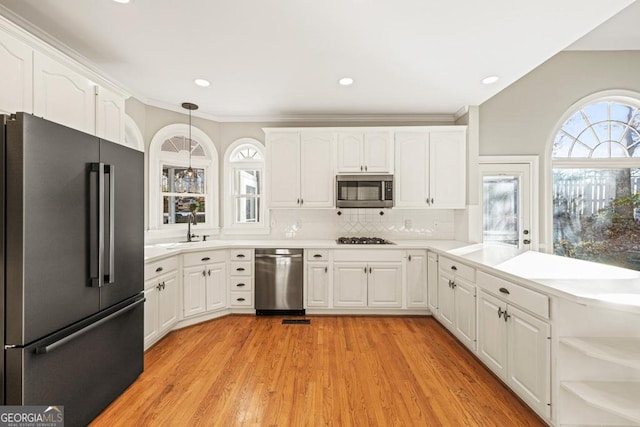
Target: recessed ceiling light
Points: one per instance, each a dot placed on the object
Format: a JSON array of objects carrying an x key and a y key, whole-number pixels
[
  {"x": 346, "y": 81},
  {"x": 202, "y": 82},
  {"x": 122, "y": 1},
  {"x": 489, "y": 80}
]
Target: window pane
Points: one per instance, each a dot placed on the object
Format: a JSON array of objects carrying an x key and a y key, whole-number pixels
[
  {"x": 247, "y": 181},
  {"x": 176, "y": 180},
  {"x": 177, "y": 209},
  {"x": 596, "y": 215},
  {"x": 501, "y": 209},
  {"x": 247, "y": 210}
]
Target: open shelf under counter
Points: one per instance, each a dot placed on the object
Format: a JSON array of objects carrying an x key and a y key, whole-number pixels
[
  {"x": 621, "y": 351},
  {"x": 618, "y": 398}
]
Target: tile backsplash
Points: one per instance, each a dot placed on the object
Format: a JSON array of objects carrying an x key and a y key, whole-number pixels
[{"x": 387, "y": 223}]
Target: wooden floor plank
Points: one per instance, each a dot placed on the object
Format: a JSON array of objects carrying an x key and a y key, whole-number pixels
[{"x": 337, "y": 371}]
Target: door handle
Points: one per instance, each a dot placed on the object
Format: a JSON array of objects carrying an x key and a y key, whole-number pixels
[
  {"x": 500, "y": 312},
  {"x": 49, "y": 348},
  {"x": 96, "y": 225},
  {"x": 111, "y": 171},
  {"x": 526, "y": 241}
]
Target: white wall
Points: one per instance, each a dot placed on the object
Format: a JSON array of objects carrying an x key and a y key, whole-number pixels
[{"x": 523, "y": 118}]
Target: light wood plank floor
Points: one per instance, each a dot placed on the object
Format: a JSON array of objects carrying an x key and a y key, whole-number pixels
[{"x": 338, "y": 371}]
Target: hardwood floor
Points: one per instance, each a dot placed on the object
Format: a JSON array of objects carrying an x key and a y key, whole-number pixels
[{"x": 340, "y": 371}]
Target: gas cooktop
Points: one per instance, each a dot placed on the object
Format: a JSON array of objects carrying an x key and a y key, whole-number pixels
[{"x": 363, "y": 241}]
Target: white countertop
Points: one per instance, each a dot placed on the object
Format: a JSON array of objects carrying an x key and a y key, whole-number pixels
[{"x": 580, "y": 281}]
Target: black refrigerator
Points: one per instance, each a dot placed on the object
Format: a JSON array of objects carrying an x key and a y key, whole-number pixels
[{"x": 72, "y": 271}]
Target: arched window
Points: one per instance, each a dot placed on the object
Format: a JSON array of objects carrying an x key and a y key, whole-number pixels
[
  {"x": 244, "y": 165},
  {"x": 173, "y": 194},
  {"x": 596, "y": 178}
]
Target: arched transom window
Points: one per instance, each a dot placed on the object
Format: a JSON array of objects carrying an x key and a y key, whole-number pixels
[
  {"x": 244, "y": 163},
  {"x": 596, "y": 183}
]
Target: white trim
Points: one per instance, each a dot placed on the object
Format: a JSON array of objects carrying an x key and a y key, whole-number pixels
[
  {"x": 132, "y": 136},
  {"x": 461, "y": 112},
  {"x": 622, "y": 95},
  {"x": 230, "y": 227},
  {"x": 534, "y": 168},
  {"x": 211, "y": 163}
]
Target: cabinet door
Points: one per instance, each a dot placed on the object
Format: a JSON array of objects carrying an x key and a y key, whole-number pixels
[
  {"x": 447, "y": 169},
  {"x": 168, "y": 302},
  {"x": 216, "y": 286},
  {"x": 317, "y": 284},
  {"x": 465, "y": 312},
  {"x": 16, "y": 75},
  {"x": 417, "y": 279},
  {"x": 411, "y": 172},
  {"x": 317, "y": 176},
  {"x": 377, "y": 153},
  {"x": 151, "y": 328},
  {"x": 492, "y": 333},
  {"x": 109, "y": 115},
  {"x": 432, "y": 282},
  {"x": 529, "y": 359},
  {"x": 350, "y": 152},
  {"x": 349, "y": 284},
  {"x": 283, "y": 150},
  {"x": 445, "y": 301},
  {"x": 385, "y": 285},
  {"x": 194, "y": 287},
  {"x": 62, "y": 95}
]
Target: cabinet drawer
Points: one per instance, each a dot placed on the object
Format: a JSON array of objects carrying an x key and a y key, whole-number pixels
[
  {"x": 241, "y": 254},
  {"x": 241, "y": 268},
  {"x": 240, "y": 283},
  {"x": 458, "y": 269},
  {"x": 530, "y": 300},
  {"x": 317, "y": 254},
  {"x": 241, "y": 299},
  {"x": 156, "y": 268},
  {"x": 201, "y": 258}
]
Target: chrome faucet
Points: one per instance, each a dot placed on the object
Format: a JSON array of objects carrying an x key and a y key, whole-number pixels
[{"x": 191, "y": 220}]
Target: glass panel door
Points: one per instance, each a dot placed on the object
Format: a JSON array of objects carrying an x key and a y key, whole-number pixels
[{"x": 506, "y": 205}]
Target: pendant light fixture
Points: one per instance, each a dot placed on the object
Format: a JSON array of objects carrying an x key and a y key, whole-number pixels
[{"x": 190, "y": 177}]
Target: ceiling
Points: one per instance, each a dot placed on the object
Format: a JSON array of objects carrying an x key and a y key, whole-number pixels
[{"x": 282, "y": 59}]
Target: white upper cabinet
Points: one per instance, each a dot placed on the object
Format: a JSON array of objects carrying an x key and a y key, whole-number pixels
[
  {"x": 283, "y": 151},
  {"x": 16, "y": 78},
  {"x": 430, "y": 168},
  {"x": 365, "y": 152},
  {"x": 447, "y": 169},
  {"x": 301, "y": 172},
  {"x": 63, "y": 95},
  {"x": 110, "y": 115}
]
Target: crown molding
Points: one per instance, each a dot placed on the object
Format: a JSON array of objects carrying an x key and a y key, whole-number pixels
[{"x": 461, "y": 112}]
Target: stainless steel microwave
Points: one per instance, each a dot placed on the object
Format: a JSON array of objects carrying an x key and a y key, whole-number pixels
[{"x": 364, "y": 191}]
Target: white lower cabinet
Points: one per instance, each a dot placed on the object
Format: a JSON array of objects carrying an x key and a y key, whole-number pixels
[
  {"x": 416, "y": 278},
  {"x": 457, "y": 300},
  {"x": 161, "y": 307},
  {"x": 432, "y": 282},
  {"x": 204, "y": 282},
  {"x": 374, "y": 283},
  {"x": 515, "y": 344},
  {"x": 241, "y": 277},
  {"x": 317, "y": 284}
]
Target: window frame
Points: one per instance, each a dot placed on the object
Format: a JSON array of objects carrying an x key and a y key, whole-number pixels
[
  {"x": 158, "y": 158},
  {"x": 231, "y": 167},
  {"x": 621, "y": 96}
]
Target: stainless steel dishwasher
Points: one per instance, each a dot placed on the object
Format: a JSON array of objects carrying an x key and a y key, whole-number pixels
[{"x": 278, "y": 281}]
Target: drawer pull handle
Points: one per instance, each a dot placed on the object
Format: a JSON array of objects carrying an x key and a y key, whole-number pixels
[
  {"x": 159, "y": 269},
  {"x": 240, "y": 299},
  {"x": 504, "y": 291},
  {"x": 205, "y": 259},
  {"x": 240, "y": 256},
  {"x": 241, "y": 285},
  {"x": 240, "y": 269},
  {"x": 454, "y": 268},
  {"x": 317, "y": 256}
]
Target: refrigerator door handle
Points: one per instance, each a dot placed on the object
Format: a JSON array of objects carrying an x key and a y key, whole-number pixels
[
  {"x": 56, "y": 344},
  {"x": 96, "y": 247},
  {"x": 111, "y": 171}
]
